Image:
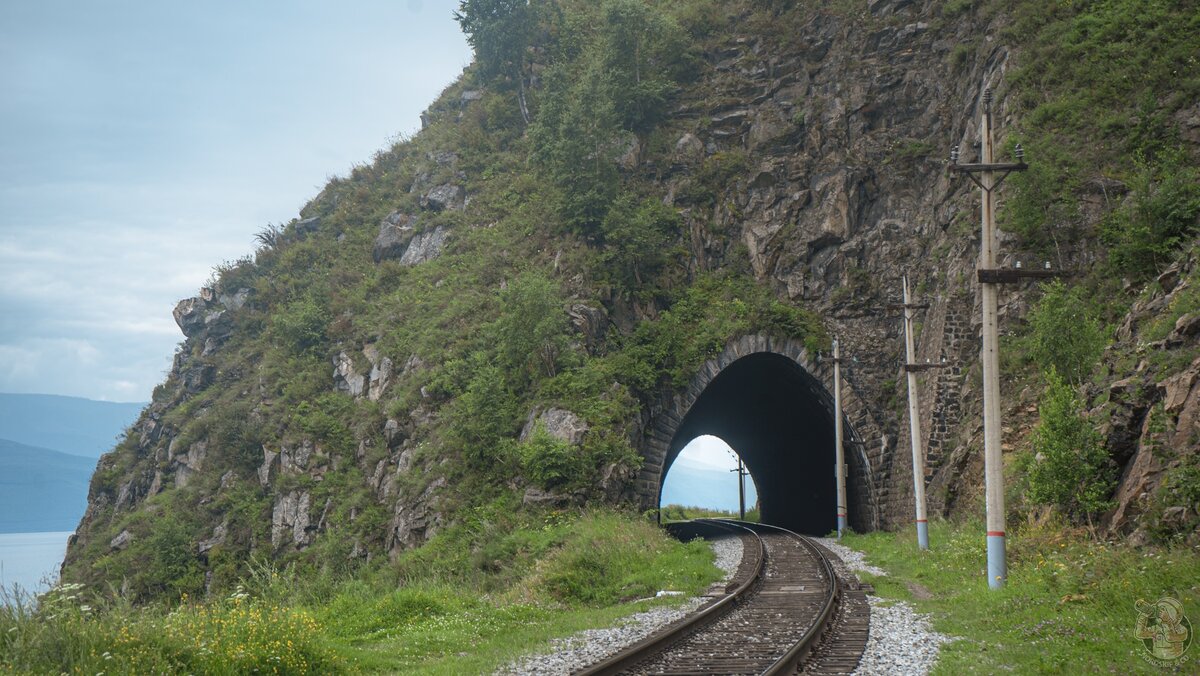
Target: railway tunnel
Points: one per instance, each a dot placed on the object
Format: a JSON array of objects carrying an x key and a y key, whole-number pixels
[{"x": 778, "y": 416}]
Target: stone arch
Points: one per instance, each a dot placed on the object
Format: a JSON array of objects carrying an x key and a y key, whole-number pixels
[{"x": 776, "y": 402}]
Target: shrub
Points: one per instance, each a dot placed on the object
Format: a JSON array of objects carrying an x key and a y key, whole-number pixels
[
  {"x": 1070, "y": 469},
  {"x": 300, "y": 325},
  {"x": 1161, "y": 213},
  {"x": 549, "y": 461},
  {"x": 533, "y": 326},
  {"x": 637, "y": 237},
  {"x": 1181, "y": 489},
  {"x": 484, "y": 415},
  {"x": 1064, "y": 335}
]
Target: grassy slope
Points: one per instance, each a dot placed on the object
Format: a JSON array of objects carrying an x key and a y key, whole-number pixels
[
  {"x": 315, "y": 297},
  {"x": 1068, "y": 606},
  {"x": 486, "y": 319},
  {"x": 476, "y": 597}
]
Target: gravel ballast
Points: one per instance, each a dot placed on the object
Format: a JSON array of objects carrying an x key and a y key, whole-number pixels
[
  {"x": 901, "y": 640},
  {"x": 573, "y": 652}
]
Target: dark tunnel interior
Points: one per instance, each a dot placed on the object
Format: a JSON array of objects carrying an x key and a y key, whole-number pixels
[{"x": 779, "y": 419}]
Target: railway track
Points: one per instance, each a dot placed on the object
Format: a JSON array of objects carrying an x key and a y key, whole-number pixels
[{"x": 786, "y": 611}]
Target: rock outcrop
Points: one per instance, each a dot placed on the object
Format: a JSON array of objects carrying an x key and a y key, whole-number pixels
[
  {"x": 425, "y": 246},
  {"x": 808, "y": 162},
  {"x": 559, "y": 423},
  {"x": 395, "y": 232},
  {"x": 290, "y": 521},
  {"x": 398, "y": 240},
  {"x": 1153, "y": 416}
]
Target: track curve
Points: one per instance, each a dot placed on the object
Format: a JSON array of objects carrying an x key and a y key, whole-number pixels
[{"x": 779, "y": 609}]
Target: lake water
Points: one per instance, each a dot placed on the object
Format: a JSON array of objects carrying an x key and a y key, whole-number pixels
[{"x": 28, "y": 559}]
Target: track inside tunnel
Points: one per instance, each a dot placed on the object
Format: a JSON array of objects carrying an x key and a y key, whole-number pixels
[{"x": 779, "y": 418}]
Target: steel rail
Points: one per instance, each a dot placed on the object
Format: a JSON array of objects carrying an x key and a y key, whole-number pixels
[
  {"x": 631, "y": 655},
  {"x": 791, "y": 660}
]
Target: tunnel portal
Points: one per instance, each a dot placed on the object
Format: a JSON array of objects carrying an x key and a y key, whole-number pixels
[{"x": 779, "y": 418}]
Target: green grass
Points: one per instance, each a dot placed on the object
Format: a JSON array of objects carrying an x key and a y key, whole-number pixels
[
  {"x": 239, "y": 634},
  {"x": 478, "y": 636},
  {"x": 484, "y": 592},
  {"x": 686, "y": 512},
  {"x": 1068, "y": 606}
]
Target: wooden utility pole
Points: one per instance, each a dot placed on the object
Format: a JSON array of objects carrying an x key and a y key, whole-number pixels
[
  {"x": 839, "y": 454},
  {"x": 993, "y": 462},
  {"x": 741, "y": 472}
]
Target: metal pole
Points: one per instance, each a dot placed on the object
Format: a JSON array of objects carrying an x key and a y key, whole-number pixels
[
  {"x": 840, "y": 470},
  {"x": 914, "y": 425},
  {"x": 993, "y": 462}
]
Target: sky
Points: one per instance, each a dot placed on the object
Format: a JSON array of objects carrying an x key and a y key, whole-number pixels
[
  {"x": 716, "y": 459},
  {"x": 144, "y": 143}
]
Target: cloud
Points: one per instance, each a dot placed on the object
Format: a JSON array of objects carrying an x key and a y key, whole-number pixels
[
  {"x": 146, "y": 144},
  {"x": 708, "y": 452}
]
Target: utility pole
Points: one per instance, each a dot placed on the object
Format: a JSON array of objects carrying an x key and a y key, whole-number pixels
[
  {"x": 741, "y": 472},
  {"x": 993, "y": 462},
  {"x": 911, "y": 368},
  {"x": 914, "y": 418},
  {"x": 839, "y": 454}
]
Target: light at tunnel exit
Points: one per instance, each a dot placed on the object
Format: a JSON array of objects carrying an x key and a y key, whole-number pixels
[{"x": 703, "y": 476}]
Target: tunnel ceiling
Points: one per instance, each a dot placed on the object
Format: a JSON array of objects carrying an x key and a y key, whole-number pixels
[{"x": 779, "y": 419}]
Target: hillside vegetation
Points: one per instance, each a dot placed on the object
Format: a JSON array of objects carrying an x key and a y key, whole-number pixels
[
  {"x": 479, "y": 336},
  {"x": 399, "y": 426},
  {"x": 489, "y": 311}
]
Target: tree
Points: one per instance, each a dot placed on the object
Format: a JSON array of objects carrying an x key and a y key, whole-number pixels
[
  {"x": 575, "y": 142},
  {"x": 637, "y": 237},
  {"x": 1065, "y": 336},
  {"x": 531, "y": 333},
  {"x": 1070, "y": 469},
  {"x": 645, "y": 51},
  {"x": 500, "y": 32}
]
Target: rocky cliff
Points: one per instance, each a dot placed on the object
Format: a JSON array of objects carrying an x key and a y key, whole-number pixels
[{"x": 448, "y": 325}]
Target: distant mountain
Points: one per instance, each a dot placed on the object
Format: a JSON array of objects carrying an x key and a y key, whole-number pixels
[
  {"x": 41, "y": 489},
  {"x": 66, "y": 424},
  {"x": 700, "y": 486}
]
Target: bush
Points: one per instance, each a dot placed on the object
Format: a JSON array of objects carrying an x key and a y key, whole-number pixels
[
  {"x": 300, "y": 325},
  {"x": 1070, "y": 468},
  {"x": 549, "y": 461},
  {"x": 1064, "y": 335},
  {"x": 1161, "y": 213},
  {"x": 235, "y": 635},
  {"x": 484, "y": 416},
  {"x": 533, "y": 327},
  {"x": 638, "y": 234}
]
